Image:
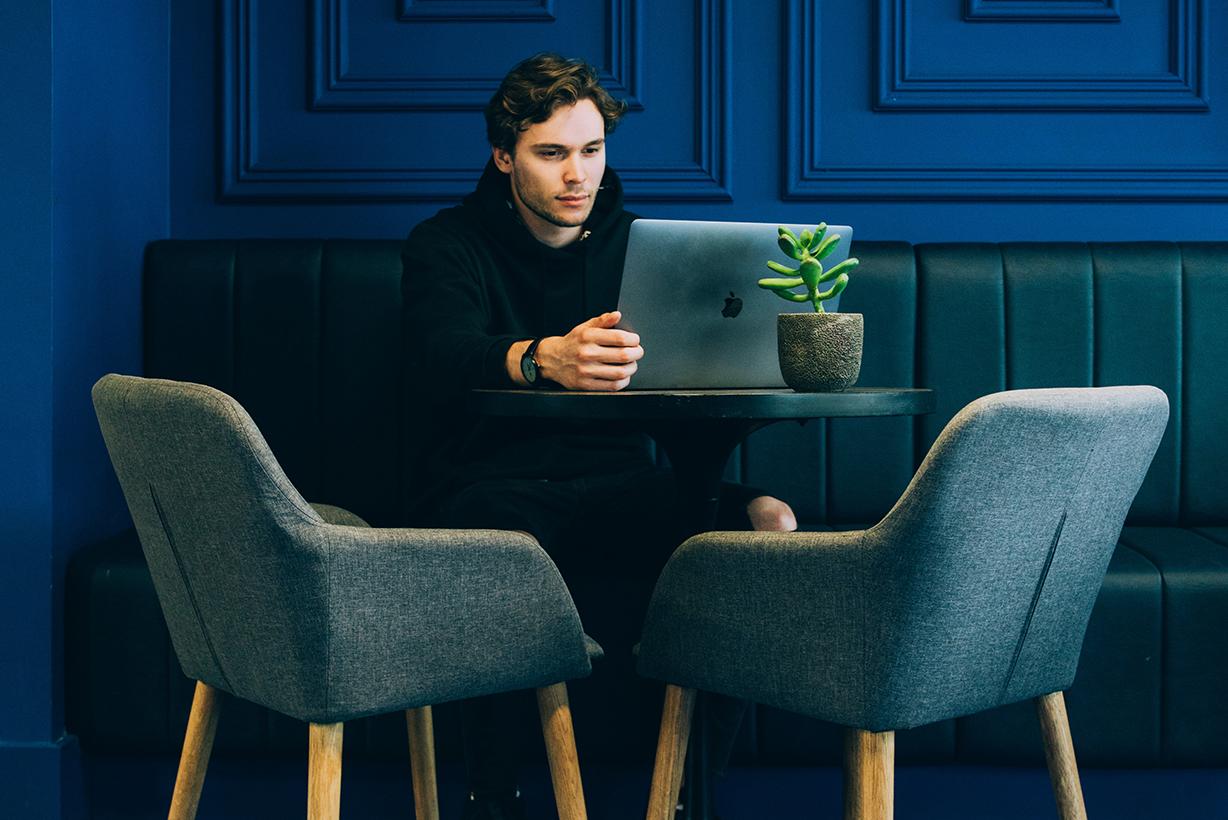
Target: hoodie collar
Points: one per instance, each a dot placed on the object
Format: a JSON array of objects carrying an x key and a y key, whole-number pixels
[{"x": 493, "y": 197}]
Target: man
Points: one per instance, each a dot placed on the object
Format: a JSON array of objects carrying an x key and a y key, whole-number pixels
[{"x": 517, "y": 287}]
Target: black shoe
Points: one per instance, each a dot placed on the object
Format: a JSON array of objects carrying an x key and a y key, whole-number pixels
[{"x": 494, "y": 807}]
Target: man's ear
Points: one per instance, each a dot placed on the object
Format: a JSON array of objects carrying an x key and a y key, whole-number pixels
[{"x": 503, "y": 159}]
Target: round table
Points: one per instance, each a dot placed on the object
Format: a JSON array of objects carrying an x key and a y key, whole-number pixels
[{"x": 698, "y": 429}]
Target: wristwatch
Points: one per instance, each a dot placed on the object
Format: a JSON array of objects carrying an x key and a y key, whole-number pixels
[{"x": 528, "y": 364}]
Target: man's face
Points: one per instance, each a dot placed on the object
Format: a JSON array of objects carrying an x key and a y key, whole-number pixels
[{"x": 555, "y": 170}]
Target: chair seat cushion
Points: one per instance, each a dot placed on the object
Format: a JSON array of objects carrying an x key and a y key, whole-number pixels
[{"x": 337, "y": 515}]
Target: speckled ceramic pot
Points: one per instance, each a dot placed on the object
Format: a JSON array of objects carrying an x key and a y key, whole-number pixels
[{"x": 819, "y": 352}]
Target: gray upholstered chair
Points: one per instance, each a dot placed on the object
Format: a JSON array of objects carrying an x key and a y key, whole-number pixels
[
  {"x": 974, "y": 591},
  {"x": 307, "y": 611}
]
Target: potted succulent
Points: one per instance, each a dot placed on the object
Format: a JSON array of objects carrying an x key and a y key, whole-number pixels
[{"x": 819, "y": 351}]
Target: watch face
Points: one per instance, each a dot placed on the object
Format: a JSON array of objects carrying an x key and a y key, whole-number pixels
[{"x": 528, "y": 369}]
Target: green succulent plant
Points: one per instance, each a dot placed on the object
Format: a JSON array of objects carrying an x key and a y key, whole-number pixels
[{"x": 809, "y": 249}]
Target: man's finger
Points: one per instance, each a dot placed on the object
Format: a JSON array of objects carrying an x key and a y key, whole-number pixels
[
  {"x": 611, "y": 337},
  {"x": 610, "y": 372},
  {"x": 604, "y": 320},
  {"x": 608, "y": 354},
  {"x": 604, "y": 385}
]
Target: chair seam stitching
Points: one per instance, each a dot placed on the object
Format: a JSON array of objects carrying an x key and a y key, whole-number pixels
[
  {"x": 200, "y": 619},
  {"x": 1044, "y": 577},
  {"x": 1027, "y": 622}
]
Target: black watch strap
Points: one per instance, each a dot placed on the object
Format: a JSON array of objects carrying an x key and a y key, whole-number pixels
[{"x": 528, "y": 364}]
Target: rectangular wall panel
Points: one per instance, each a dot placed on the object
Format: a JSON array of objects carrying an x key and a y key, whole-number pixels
[
  {"x": 975, "y": 110},
  {"x": 393, "y": 91}
]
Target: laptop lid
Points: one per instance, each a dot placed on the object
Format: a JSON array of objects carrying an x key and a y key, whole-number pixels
[{"x": 689, "y": 290}]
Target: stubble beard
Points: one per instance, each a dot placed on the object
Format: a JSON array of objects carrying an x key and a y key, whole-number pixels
[{"x": 540, "y": 204}]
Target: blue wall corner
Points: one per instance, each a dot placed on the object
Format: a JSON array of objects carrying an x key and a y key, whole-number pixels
[{"x": 86, "y": 187}]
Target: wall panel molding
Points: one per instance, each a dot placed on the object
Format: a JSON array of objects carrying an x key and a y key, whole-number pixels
[
  {"x": 506, "y": 11},
  {"x": 335, "y": 87},
  {"x": 810, "y": 175},
  {"x": 1042, "y": 11},
  {"x": 1181, "y": 87},
  {"x": 245, "y": 175}
]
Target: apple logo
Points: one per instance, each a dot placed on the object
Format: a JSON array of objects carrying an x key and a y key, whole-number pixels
[{"x": 733, "y": 306}]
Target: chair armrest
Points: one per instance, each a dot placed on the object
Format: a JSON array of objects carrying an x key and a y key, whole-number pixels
[
  {"x": 434, "y": 615},
  {"x": 772, "y": 617}
]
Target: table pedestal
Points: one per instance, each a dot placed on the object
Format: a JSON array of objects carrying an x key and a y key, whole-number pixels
[
  {"x": 698, "y": 451},
  {"x": 698, "y": 429}
]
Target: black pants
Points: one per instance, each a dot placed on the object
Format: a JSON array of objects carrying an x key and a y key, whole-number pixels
[{"x": 610, "y": 535}]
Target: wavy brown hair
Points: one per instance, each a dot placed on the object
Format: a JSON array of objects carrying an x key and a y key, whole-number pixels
[{"x": 535, "y": 87}]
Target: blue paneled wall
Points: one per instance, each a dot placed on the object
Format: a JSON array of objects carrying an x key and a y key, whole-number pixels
[
  {"x": 909, "y": 119},
  {"x": 940, "y": 120}
]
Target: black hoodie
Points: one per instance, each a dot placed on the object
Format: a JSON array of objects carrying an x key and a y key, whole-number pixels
[{"x": 475, "y": 280}]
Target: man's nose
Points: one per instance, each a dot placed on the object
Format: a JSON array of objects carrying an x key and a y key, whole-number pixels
[{"x": 573, "y": 170}]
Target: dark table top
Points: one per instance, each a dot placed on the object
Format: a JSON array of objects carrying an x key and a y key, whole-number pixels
[{"x": 780, "y": 403}]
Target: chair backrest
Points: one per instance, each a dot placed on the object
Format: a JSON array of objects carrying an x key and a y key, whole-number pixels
[
  {"x": 982, "y": 577},
  {"x": 216, "y": 517}
]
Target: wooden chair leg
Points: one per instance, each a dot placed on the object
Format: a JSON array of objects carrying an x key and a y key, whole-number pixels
[
  {"x": 561, "y": 750},
  {"x": 194, "y": 760},
  {"x": 869, "y": 775},
  {"x": 1060, "y": 755},
  {"x": 422, "y": 762},
  {"x": 324, "y": 771},
  {"x": 671, "y": 751}
]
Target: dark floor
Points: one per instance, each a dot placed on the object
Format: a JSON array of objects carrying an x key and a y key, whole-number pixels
[{"x": 140, "y": 787}]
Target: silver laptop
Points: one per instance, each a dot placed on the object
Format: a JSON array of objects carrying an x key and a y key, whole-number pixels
[{"x": 689, "y": 290}]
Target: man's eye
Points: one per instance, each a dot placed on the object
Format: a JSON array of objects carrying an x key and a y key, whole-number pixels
[
  {"x": 592, "y": 151},
  {"x": 549, "y": 154}
]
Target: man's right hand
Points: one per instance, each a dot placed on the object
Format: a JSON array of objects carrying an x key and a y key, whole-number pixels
[{"x": 592, "y": 356}]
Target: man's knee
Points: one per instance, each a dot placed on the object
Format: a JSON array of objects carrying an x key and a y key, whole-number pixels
[{"x": 768, "y": 514}]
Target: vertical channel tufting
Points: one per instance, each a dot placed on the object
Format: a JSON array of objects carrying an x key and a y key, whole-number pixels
[
  {"x": 1006, "y": 326},
  {"x": 870, "y": 461},
  {"x": 188, "y": 311},
  {"x": 961, "y": 329},
  {"x": 322, "y": 430},
  {"x": 361, "y": 374},
  {"x": 1138, "y": 325},
  {"x": 277, "y": 376},
  {"x": 1204, "y": 395},
  {"x": 1048, "y": 306}
]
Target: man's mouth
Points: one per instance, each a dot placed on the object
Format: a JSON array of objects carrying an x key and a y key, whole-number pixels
[{"x": 573, "y": 199}]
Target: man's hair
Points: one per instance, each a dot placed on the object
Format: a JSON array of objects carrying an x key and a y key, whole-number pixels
[{"x": 535, "y": 87}]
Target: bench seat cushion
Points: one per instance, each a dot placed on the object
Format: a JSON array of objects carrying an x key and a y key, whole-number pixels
[{"x": 1148, "y": 691}]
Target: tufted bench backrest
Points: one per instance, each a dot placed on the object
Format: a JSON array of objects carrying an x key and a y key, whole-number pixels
[
  {"x": 971, "y": 319},
  {"x": 307, "y": 335}
]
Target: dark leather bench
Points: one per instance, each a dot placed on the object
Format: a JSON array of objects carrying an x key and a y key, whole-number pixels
[{"x": 308, "y": 336}]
